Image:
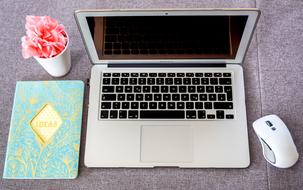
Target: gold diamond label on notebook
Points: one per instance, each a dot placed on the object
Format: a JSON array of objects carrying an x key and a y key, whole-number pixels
[{"x": 46, "y": 123}]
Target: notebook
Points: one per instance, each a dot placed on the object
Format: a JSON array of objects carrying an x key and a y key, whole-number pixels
[
  {"x": 45, "y": 129},
  {"x": 167, "y": 87}
]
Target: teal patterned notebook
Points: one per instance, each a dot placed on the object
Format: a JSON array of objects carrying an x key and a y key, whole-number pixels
[{"x": 45, "y": 129}]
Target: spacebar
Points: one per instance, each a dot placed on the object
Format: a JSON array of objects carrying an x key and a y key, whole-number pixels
[{"x": 162, "y": 114}]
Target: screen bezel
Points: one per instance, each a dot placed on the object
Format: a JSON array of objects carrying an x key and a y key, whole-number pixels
[{"x": 253, "y": 15}]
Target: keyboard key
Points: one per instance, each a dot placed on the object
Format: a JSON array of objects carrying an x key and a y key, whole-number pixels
[
  {"x": 162, "y": 114},
  {"x": 223, "y": 105},
  {"x": 152, "y": 74},
  {"x": 143, "y": 74},
  {"x": 171, "y": 74},
  {"x": 122, "y": 114},
  {"x": 130, "y": 97},
  {"x": 155, "y": 89},
  {"x": 209, "y": 89},
  {"x": 184, "y": 97},
  {"x": 213, "y": 81},
  {"x": 180, "y": 105},
  {"x": 192, "y": 89},
  {"x": 134, "y": 74},
  {"x": 107, "y": 89},
  {"x": 221, "y": 97},
  {"x": 157, "y": 97},
  {"x": 201, "y": 114},
  {"x": 220, "y": 114},
  {"x": 172, "y": 89},
  {"x": 194, "y": 97},
  {"x": 133, "y": 114},
  {"x": 203, "y": 97},
  {"x": 160, "y": 81},
  {"x": 124, "y": 81},
  {"x": 134, "y": 105},
  {"x": 148, "y": 97},
  {"x": 119, "y": 88},
  {"x": 116, "y": 105},
  {"x": 137, "y": 89},
  {"x": 189, "y": 74},
  {"x": 198, "y": 105},
  {"x": 106, "y": 74},
  {"x": 162, "y": 74},
  {"x": 218, "y": 89},
  {"x": 113, "y": 114},
  {"x": 176, "y": 97},
  {"x": 187, "y": 81},
  {"x": 133, "y": 81},
  {"x": 177, "y": 81},
  {"x": 229, "y": 116},
  {"x": 171, "y": 105},
  {"x": 204, "y": 81},
  {"x": 116, "y": 74},
  {"x": 226, "y": 74},
  {"x": 143, "y": 105},
  {"x": 208, "y": 74},
  {"x": 115, "y": 80},
  {"x": 208, "y": 105},
  {"x": 212, "y": 97},
  {"x": 195, "y": 81},
  {"x": 182, "y": 89},
  {"x": 225, "y": 80},
  {"x": 168, "y": 81},
  {"x": 128, "y": 88},
  {"x": 199, "y": 74},
  {"x": 125, "y": 74},
  {"x": 152, "y": 105},
  {"x": 146, "y": 89},
  {"x": 166, "y": 97},
  {"x": 161, "y": 105},
  {"x": 139, "y": 97},
  {"x": 142, "y": 81},
  {"x": 151, "y": 81},
  {"x": 105, "y": 105},
  {"x": 200, "y": 89},
  {"x": 211, "y": 116},
  {"x": 164, "y": 89},
  {"x": 180, "y": 74},
  {"x": 190, "y": 114},
  {"x": 125, "y": 105},
  {"x": 104, "y": 114},
  {"x": 121, "y": 97},
  {"x": 189, "y": 105},
  {"x": 106, "y": 80},
  {"x": 108, "y": 97},
  {"x": 218, "y": 74}
]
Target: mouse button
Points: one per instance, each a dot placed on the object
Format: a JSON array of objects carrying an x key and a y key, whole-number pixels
[{"x": 267, "y": 152}]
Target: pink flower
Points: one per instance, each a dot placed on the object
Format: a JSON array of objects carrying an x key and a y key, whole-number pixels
[{"x": 44, "y": 38}]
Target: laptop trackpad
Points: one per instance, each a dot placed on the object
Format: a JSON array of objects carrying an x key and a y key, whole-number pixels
[{"x": 166, "y": 143}]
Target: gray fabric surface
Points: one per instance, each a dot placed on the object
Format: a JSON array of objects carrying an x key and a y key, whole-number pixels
[{"x": 273, "y": 69}]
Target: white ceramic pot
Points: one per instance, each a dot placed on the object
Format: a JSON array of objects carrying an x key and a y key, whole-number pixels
[{"x": 59, "y": 65}]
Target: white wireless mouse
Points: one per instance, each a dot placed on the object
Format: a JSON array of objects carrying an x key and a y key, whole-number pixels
[{"x": 278, "y": 146}]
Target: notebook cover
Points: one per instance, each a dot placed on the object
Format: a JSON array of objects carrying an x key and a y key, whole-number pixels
[{"x": 45, "y": 129}]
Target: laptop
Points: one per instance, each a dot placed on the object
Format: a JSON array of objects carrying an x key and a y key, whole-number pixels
[{"x": 166, "y": 87}]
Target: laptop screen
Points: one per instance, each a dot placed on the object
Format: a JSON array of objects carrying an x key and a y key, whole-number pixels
[{"x": 167, "y": 37}]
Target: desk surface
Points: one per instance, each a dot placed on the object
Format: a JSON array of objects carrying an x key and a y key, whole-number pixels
[{"x": 273, "y": 67}]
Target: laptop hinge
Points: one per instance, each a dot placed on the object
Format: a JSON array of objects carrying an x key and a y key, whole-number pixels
[{"x": 167, "y": 65}]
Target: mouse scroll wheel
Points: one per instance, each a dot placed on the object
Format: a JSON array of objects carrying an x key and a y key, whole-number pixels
[
  {"x": 269, "y": 123},
  {"x": 267, "y": 152}
]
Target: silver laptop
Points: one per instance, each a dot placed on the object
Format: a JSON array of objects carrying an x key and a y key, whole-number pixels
[{"x": 167, "y": 88}]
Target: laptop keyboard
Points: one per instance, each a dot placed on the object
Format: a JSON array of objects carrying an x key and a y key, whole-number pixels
[{"x": 167, "y": 95}]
